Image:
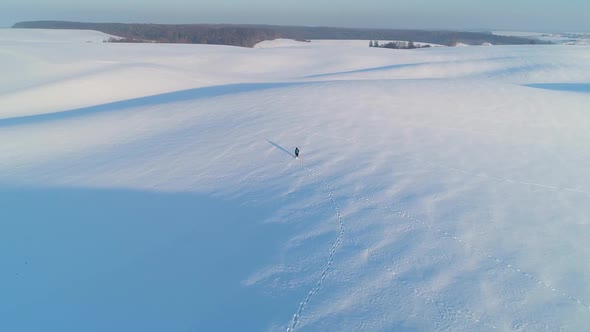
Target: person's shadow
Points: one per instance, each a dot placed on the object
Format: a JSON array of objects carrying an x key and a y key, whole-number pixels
[{"x": 280, "y": 147}]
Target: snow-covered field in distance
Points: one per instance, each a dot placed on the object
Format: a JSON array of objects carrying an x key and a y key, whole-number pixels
[
  {"x": 278, "y": 43},
  {"x": 152, "y": 187},
  {"x": 567, "y": 38},
  {"x": 52, "y": 36}
]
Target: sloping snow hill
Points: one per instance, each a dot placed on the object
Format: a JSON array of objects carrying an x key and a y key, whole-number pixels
[{"x": 153, "y": 187}]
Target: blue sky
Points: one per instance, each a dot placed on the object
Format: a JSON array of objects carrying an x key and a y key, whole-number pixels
[{"x": 538, "y": 15}]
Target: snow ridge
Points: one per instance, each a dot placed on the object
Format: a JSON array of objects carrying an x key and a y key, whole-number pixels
[
  {"x": 497, "y": 260},
  {"x": 395, "y": 276},
  {"x": 531, "y": 184},
  {"x": 330, "y": 194}
]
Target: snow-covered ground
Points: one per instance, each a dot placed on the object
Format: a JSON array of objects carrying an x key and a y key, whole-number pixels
[
  {"x": 153, "y": 187},
  {"x": 279, "y": 43},
  {"x": 567, "y": 38},
  {"x": 52, "y": 36}
]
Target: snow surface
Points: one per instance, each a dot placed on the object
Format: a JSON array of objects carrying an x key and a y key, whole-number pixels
[
  {"x": 567, "y": 38},
  {"x": 53, "y": 36},
  {"x": 153, "y": 187},
  {"x": 278, "y": 43}
]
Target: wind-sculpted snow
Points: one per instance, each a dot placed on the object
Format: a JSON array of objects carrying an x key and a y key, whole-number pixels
[
  {"x": 335, "y": 246},
  {"x": 154, "y": 187}
]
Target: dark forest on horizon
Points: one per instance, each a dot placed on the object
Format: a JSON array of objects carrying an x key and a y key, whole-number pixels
[{"x": 250, "y": 35}]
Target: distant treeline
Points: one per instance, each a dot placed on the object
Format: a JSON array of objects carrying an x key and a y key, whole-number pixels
[
  {"x": 399, "y": 45},
  {"x": 250, "y": 35}
]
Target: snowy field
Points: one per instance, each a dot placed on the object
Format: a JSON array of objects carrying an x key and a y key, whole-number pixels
[
  {"x": 566, "y": 38},
  {"x": 153, "y": 187}
]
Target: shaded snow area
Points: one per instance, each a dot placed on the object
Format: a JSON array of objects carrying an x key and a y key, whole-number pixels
[{"x": 153, "y": 187}]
